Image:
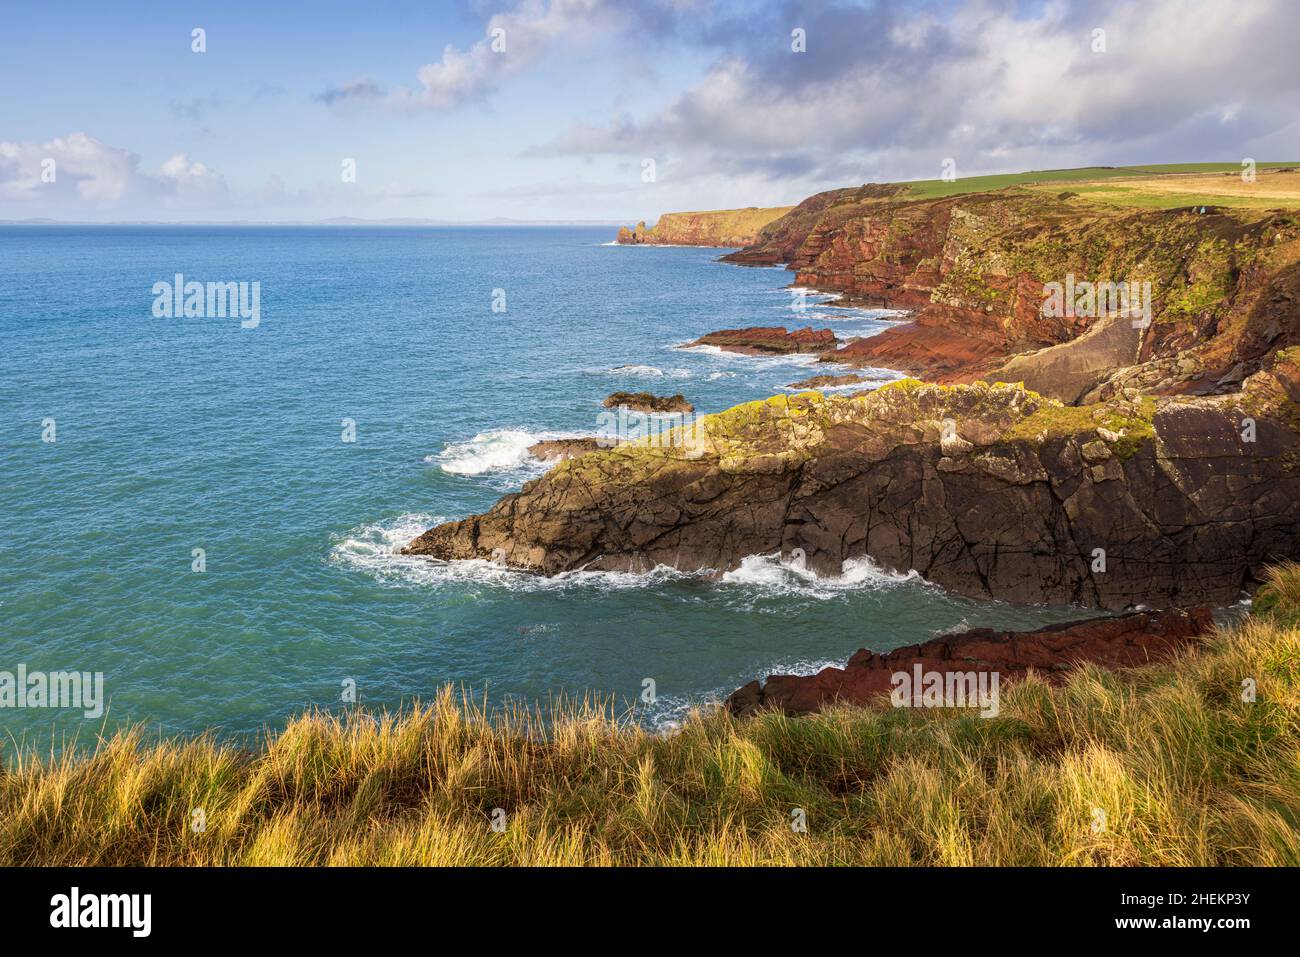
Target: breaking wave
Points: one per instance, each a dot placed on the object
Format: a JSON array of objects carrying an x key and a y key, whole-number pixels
[
  {"x": 633, "y": 371},
  {"x": 772, "y": 575},
  {"x": 375, "y": 548},
  {"x": 498, "y": 451}
]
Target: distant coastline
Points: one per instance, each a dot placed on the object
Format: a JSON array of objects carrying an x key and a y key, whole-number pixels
[{"x": 332, "y": 221}]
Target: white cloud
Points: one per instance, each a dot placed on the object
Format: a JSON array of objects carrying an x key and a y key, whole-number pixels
[
  {"x": 78, "y": 169},
  {"x": 191, "y": 178},
  {"x": 888, "y": 93},
  {"x": 512, "y": 41}
]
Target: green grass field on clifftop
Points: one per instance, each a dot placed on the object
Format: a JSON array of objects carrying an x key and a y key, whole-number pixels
[{"x": 1095, "y": 176}]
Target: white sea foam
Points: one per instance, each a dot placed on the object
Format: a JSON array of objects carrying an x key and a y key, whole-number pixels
[
  {"x": 875, "y": 378},
  {"x": 806, "y": 359},
  {"x": 375, "y": 548},
  {"x": 808, "y": 293},
  {"x": 630, "y": 370},
  {"x": 669, "y": 712},
  {"x": 497, "y": 451},
  {"x": 850, "y": 314},
  {"x": 772, "y": 575},
  {"x": 641, "y": 372}
]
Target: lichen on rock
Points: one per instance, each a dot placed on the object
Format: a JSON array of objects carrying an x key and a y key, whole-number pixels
[{"x": 1182, "y": 511}]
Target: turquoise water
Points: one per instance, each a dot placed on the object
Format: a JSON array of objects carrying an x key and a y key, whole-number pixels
[{"x": 177, "y": 434}]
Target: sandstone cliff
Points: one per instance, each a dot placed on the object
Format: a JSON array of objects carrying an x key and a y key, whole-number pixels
[
  {"x": 719, "y": 227},
  {"x": 1225, "y": 286}
]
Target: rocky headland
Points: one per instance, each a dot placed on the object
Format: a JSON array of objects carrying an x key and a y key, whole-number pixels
[
  {"x": 1111, "y": 462},
  {"x": 973, "y": 268},
  {"x": 719, "y": 227},
  {"x": 990, "y": 491}
]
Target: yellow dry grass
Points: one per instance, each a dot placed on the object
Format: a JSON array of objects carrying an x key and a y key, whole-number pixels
[
  {"x": 1270, "y": 190},
  {"x": 1173, "y": 764}
]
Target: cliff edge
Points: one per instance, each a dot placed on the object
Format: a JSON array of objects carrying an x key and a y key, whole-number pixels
[{"x": 720, "y": 227}]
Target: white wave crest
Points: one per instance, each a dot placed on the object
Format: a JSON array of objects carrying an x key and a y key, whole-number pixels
[
  {"x": 628, "y": 370},
  {"x": 375, "y": 548},
  {"x": 633, "y": 371},
  {"x": 802, "y": 359},
  {"x": 498, "y": 450},
  {"x": 774, "y": 576}
]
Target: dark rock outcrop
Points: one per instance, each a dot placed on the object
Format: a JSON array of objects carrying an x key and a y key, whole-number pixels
[
  {"x": 560, "y": 450},
  {"x": 1124, "y": 641},
  {"x": 649, "y": 402},
  {"x": 991, "y": 492},
  {"x": 769, "y": 340}
]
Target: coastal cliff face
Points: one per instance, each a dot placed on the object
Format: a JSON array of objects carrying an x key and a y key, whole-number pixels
[
  {"x": 718, "y": 227},
  {"x": 990, "y": 491},
  {"x": 1144, "y": 459},
  {"x": 1225, "y": 286}
]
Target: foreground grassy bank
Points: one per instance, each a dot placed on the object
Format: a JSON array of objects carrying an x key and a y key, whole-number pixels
[{"x": 1160, "y": 765}]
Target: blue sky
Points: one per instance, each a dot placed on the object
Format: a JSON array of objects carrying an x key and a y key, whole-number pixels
[{"x": 561, "y": 122}]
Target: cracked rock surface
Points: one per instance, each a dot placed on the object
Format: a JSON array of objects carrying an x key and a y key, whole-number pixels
[{"x": 989, "y": 491}]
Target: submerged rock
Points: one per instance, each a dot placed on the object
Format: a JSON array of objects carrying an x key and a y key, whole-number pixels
[
  {"x": 1134, "y": 639},
  {"x": 828, "y": 381},
  {"x": 649, "y": 402},
  {"x": 560, "y": 450},
  {"x": 767, "y": 340}
]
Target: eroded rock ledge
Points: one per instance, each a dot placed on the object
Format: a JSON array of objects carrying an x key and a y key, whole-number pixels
[
  {"x": 1124, "y": 641},
  {"x": 989, "y": 491},
  {"x": 769, "y": 340}
]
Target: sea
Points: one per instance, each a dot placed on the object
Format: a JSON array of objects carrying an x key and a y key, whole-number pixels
[{"x": 207, "y": 510}]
